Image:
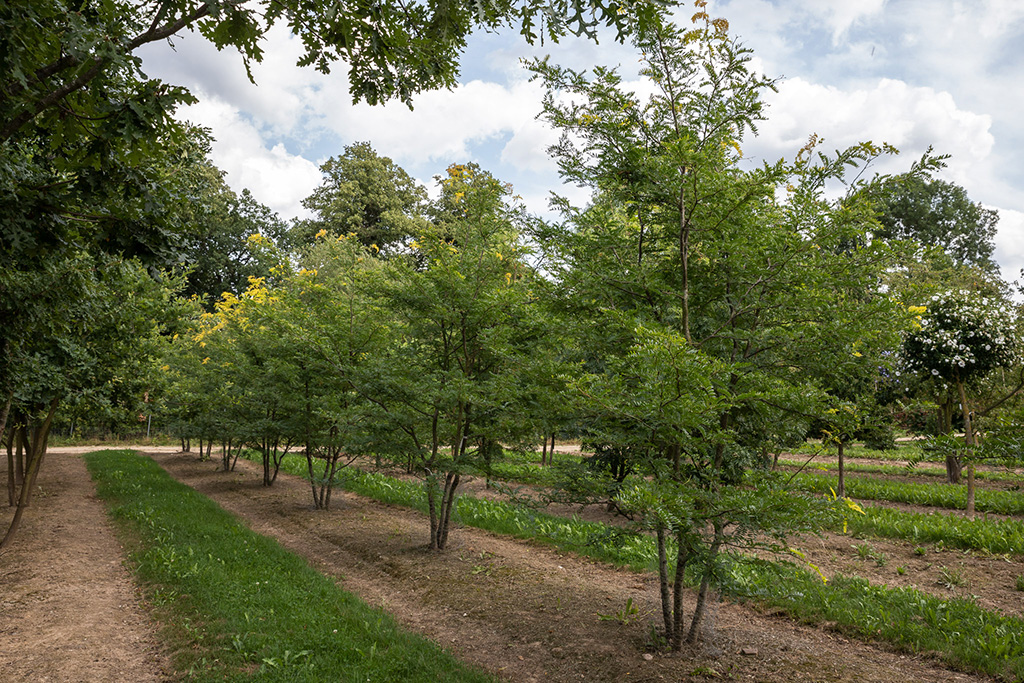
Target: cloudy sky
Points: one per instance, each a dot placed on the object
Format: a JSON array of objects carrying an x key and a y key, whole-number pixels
[{"x": 942, "y": 73}]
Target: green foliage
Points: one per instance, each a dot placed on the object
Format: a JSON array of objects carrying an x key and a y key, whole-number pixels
[
  {"x": 235, "y": 601},
  {"x": 953, "y": 497},
  {"x": 368, "y": 196},
  {"x": 939, "y": 214}
]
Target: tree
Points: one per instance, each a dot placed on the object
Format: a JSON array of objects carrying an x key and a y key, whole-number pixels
[
  {"x": 366, "y": 195},
  {"x": 215, "y": 247},
  {"x": 58, "y": 55},
  {"x": 962, "y": 338},
  {"x": 332, "y": 322},
  {"x": 721, "y": 296},
  {"x": 93, "y": 332},
  {"x": 936, "y": 213},
  {"x": 465, "y": 326}
]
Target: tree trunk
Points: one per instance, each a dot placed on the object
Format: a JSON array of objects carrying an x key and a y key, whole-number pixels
[
  {"x": 944, "y": 415},
  {"x": 698, "y": 611},
  {"x": 682, "y": 556},
  {"x": 37, "y": 451},
  {"x": 666, "y": 595},
  {"x": 12, "y": 496},
  {"x": 969, "y": 448},
  {"x": 432, "y": 489},
  {"x": 451, "y": 485},
  {"x": 841, "y": 487},
  {"x": 544, "y": 451},
  {"x": 4, "y": 413},
  {"x": 954, "y": 469}
]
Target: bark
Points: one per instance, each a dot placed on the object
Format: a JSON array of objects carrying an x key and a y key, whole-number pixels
[
  {"x": 4, "y": 413},
  {"x": 705, "y": 583},
  {"x": 12, "y": 496},
  {"x": 677, "y": 593},
  {"x": 969, "y": 450},
  {"x": 37, "y": 451},
  {"x": 431, "y": 484},
  {"x": 841, "y": 486},
  {"x": 451, "y": 486},
  {"x": 666, "y": 596}
]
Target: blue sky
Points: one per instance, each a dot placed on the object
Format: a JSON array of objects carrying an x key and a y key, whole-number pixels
[{"x": 945, "y": 73}]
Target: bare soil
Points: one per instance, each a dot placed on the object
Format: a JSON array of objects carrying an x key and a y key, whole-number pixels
[
  {"x": 68, "y": 608},
  {"x": 523, "y": 612}
]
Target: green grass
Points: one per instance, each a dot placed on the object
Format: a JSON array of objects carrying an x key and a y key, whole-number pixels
[
  {"x": 240, "y": 607},
  {"x": 997, "y": 537},
  {"x": 965, "y": 635},
  {"x": 901, "y": 470},
  {"x": 950, "y": 496}
]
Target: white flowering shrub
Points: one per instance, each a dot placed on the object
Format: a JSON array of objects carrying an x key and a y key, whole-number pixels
[{"x": 962, "y": 337}]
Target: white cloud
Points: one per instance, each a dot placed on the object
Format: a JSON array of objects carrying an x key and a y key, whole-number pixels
[
  {"x": 275, "y": 177},
  {"x": 909, "y": 118},
  {"x": 444, "y": 124},
  {"x": 1009, "y": 240},
  {"x": 841, "y": 15}
]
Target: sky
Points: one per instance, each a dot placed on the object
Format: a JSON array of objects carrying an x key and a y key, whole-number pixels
[{"x": 914, "y": 73}]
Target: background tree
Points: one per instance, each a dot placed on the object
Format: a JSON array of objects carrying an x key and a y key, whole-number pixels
[
  {"x": 465, "y": 326},
  {"x": 215, "y": 246},
  {"x": 367, "y": 195},
  {"x": 936, "y": 213}
]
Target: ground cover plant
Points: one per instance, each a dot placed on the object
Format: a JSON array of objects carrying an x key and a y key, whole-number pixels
[
  {"x": 902, "y": 470},
  {"x": 988, "y": 535},
  {"x": 951, "y": 496},
  {"x": 965, "y": 635},
  {"x": 241, "y": 605}
]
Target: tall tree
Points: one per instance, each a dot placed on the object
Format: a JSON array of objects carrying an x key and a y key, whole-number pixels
[
  {"x": 720, "y": 294},
  {"x": 936, "y": 213},
  {"x": 367, "y": 195}
]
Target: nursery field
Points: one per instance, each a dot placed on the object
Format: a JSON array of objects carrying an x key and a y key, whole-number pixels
[{"x": 539, "y": 596}]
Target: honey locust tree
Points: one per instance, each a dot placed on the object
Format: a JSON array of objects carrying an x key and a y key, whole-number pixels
[
  {"x": 332, "y": 321},
  {"x": 466, "y": 326},
  {"x": 713, "y": 294}
]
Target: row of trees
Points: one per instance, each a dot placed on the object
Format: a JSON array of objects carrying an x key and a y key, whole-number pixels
[{"x": 97, "y": 179}]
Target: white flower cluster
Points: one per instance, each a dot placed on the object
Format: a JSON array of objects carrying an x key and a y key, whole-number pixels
[{"x": 962, "y": 336}]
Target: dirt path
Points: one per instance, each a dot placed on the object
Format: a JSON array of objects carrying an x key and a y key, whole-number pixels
[
  {"x": 68, "y": 608},
  {"x": 527, "y": 613}
]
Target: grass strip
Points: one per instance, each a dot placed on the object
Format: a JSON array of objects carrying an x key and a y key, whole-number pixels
[
  {"x": 238, "y": 605},
  {"x": 965, "y": 635},
  {"x": 901, "y": 470},
  {"x": 998, "y": 537},
  {"x": 950, "y": 496}
]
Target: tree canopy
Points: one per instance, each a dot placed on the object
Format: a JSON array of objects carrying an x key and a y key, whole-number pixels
[{"x": 936, "y": 213}]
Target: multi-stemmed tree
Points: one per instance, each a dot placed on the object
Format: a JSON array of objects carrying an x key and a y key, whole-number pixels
[{"x": 712, "y": 299}]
